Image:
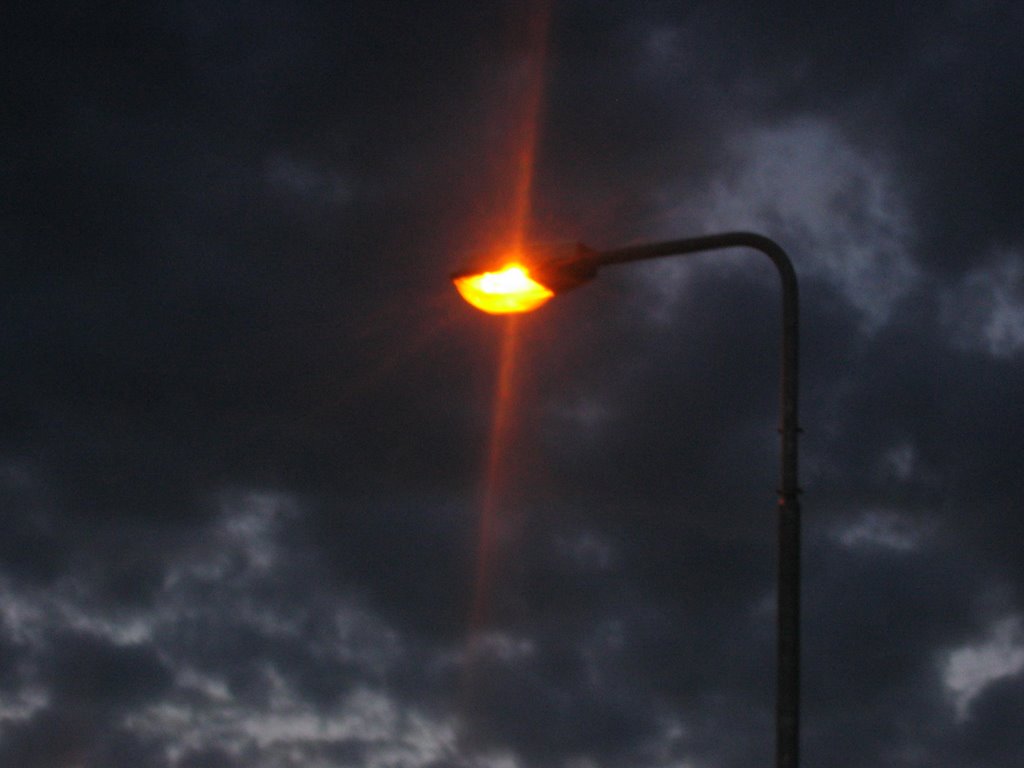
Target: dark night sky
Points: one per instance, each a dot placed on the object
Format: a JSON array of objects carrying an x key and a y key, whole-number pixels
[{"x": 245, "y": 420}]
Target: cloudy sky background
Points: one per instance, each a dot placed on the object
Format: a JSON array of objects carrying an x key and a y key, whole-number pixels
[{"x": 246, "y": 422}]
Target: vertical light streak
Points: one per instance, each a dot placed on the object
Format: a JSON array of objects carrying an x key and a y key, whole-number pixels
[
  {"x": 495, "y": 473},
  {"x": 525, "y": 118},
  {"x": 526, "y": 153}
]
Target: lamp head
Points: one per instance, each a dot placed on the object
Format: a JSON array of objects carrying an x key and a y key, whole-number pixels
[{"x": 525, "y": 281}]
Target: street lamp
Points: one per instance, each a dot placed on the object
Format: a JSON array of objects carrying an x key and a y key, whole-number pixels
[{"x": 527, "y": 281}]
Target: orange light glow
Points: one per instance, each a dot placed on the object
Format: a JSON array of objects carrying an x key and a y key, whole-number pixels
[{"x": 509, "y": 290}]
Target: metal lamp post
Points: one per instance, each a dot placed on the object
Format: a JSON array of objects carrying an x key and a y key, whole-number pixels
[{"x": 520, "y": 288}]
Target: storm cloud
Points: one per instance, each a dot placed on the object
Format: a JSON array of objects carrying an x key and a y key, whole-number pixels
[{"x": 245, "y": 421}]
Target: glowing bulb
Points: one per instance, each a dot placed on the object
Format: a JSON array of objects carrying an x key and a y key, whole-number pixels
[{"x": 511, "y": 289}]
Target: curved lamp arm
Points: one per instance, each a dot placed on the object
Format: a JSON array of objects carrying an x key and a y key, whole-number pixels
[{"x": 788, "y": 650}]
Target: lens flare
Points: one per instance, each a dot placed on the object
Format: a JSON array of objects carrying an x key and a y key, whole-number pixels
[{"x": 507, "y": 291}]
